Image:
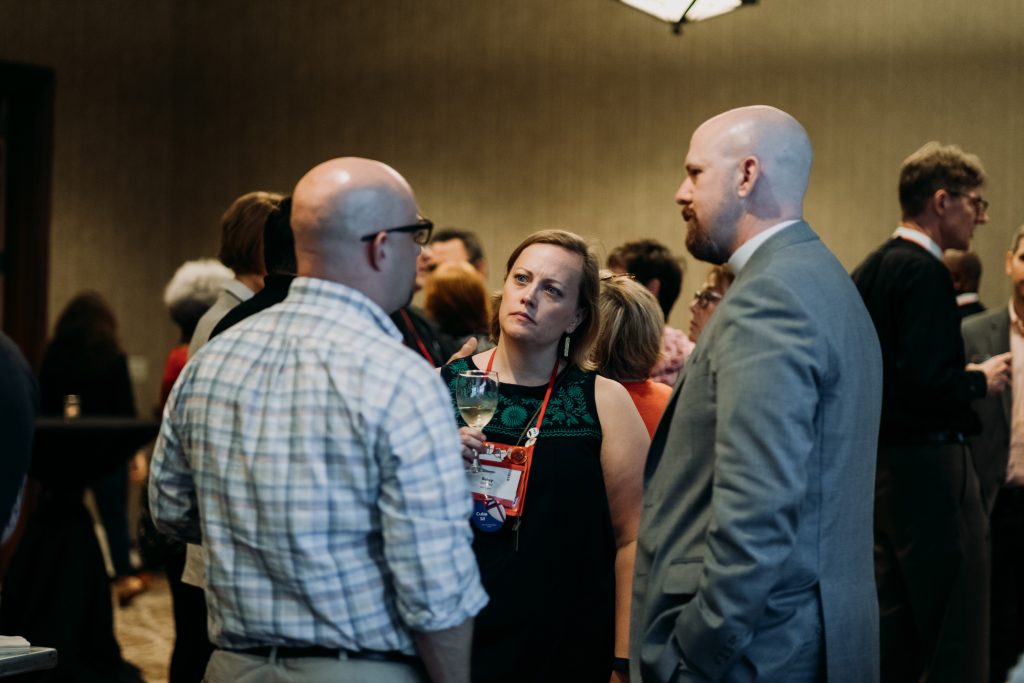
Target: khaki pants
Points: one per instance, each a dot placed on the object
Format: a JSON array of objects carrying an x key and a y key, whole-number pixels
[{"x": 232, "y": 667}]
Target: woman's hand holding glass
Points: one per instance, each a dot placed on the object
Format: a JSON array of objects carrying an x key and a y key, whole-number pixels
[
  {"x": 472, "y": 443},
  {"x": 476, "y": 396}
]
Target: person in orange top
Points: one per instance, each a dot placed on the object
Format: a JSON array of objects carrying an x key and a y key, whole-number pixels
[{"x": 629, "y": 343}]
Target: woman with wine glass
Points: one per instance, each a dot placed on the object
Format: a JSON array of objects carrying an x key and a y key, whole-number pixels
[{"x": 557, "y": 563}]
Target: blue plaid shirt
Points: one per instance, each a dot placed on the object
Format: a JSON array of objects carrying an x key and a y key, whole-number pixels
[{"x": 318, "y": 461}]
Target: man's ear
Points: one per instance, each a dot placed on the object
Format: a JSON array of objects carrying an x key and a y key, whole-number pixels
[
  {"x": 653, "y": 286},
  {"x": 379, "y": 248},
  {"x": 749, "y": 172}
]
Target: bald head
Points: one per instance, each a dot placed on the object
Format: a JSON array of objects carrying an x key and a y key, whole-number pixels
[
  {"x": 778, "y": 142},
  {"x": 343, "y": 199},
  {"x": 339, "y": 203},
  {"x": 747, "y": 170}
]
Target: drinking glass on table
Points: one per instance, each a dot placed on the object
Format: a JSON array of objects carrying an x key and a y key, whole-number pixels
[{"x": 476, "y": 396}]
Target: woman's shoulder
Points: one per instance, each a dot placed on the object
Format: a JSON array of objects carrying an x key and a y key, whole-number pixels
[{"x": 608, "y": 389}]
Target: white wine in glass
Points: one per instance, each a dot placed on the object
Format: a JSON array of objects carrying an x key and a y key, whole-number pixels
[{"x": 476, "y": 395}]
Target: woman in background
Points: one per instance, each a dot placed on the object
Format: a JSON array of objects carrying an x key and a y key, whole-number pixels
[
  {"x": 705, "y": 301},
  {"x": 456, "y": 300},
  {"x": 559, "y": 576},
  {"x": 629, "y": 343},
  {"x": 84, "y": 359},
  {"x": 56, "y": 592},
  {"x": 191, "y": 291}
]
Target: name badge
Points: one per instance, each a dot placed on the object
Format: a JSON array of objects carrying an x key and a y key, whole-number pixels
[{"x": 495, "y": 482}]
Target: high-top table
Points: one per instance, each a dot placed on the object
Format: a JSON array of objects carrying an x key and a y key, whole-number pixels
[
  {"x": 59, "y": 445},
  {"x": 36, "y": 659},
  {"x": 56, "y": 592}
]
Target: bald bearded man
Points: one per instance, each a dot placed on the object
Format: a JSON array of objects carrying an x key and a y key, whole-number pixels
[
  {"x": 754, "y": 559},
  {"x": 318, "y": 459}
]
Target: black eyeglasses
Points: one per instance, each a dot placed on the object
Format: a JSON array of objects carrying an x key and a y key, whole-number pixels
[
  {"x": 980, "y": 204},
  {"x": 420, "y": 230},
  {"x": 706, "y": 297}
]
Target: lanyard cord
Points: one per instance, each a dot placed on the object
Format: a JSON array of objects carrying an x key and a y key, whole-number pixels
[
  {"x": 547, "y": 394},
  {"x": 416, "y": 335}
]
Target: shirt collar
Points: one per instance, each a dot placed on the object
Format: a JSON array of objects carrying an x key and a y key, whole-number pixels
[
  {"x": 967, "y": 298},
  {"x": 740, "y": 257},
  {"x": 308, "y": 290},
  {"x": 1016, "y": 324},
  {"x": 920, "y": 239}
]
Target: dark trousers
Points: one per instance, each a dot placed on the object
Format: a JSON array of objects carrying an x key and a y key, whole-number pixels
[
  {"x": 931, "y": 565},
  {"x": 192, "y": 646},
  {"x": 1007, "y": 522},
  {"x": 111, "y": 493}
]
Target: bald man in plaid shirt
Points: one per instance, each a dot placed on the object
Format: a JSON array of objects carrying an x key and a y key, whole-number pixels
[{"x": 317, "y": 459}]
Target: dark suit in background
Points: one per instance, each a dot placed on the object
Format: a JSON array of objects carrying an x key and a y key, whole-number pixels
[
  {"x": 985, "y": 336},
  {"x": 423, "y": 337},
  {"x": 275, "y": 289},
  {"x": 754, "y": 553},
  {"x": 970, "y": 308},
  {"x": 930, "y": 525}
]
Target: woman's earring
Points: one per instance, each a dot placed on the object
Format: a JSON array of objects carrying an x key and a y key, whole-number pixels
[{"x": 565, "y": 349}]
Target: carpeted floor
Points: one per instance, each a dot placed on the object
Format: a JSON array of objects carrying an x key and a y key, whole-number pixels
[{"x": 145, "y": 630}]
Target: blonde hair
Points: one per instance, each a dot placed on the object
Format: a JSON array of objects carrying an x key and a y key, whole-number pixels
[
  {"x": 629, "y": 340},
  {"x": 582, "y": 338}
]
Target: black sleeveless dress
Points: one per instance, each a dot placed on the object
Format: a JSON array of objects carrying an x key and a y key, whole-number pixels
[{"x": 551, "y": 615}]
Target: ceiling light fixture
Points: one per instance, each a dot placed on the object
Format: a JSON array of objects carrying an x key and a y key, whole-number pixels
[{"x": 679, "y": 12}]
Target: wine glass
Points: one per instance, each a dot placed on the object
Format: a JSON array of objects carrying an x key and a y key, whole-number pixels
[{"x": 476, "y": 395}]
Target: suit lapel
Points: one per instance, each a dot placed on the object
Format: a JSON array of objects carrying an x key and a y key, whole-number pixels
[
  {"x": 661, "y": 433},
  {"x": 798, "y": 232}
]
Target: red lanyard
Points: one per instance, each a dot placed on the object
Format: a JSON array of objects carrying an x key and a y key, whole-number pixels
[
  {"x": 416, "y": 335},
  {"x": 547, "y": 394}
]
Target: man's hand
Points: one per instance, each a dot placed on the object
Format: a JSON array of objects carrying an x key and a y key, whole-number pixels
[
  {"x": 998, "y": 372},
  {"x": 467, "y": 350}
]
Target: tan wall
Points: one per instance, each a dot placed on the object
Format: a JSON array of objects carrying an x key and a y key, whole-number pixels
[{"x": 505, "y": 116}]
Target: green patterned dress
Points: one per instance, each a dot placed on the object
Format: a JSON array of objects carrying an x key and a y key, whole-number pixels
[{"x": 552, "y": 582}]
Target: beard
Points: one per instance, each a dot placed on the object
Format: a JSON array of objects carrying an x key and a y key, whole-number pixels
[{"x": 700, "y": 243}]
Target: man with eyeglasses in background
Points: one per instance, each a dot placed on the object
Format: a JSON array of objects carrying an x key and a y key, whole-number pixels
[
  {"x": 999, "y": 461},
  {"x": 318, "y": 460},
  {"x": 931, "y": 561},
  {"x": 660, "y": 271},
  {"x": 706, "y": 299},
  {"x": 419, "y": 332}
]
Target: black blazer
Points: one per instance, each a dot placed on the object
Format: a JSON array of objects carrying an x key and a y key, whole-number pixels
[
  {"x": 986, "y": 335},
  {"x": 910, "y": 297}
]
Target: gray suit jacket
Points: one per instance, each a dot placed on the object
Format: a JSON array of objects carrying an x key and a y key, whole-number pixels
[
  {"x": 988, "y": 334},
  {"x": 756, "y": 537}
]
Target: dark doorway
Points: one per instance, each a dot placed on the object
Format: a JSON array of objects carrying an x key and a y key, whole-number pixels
[{"x": 26, "y": 167}]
